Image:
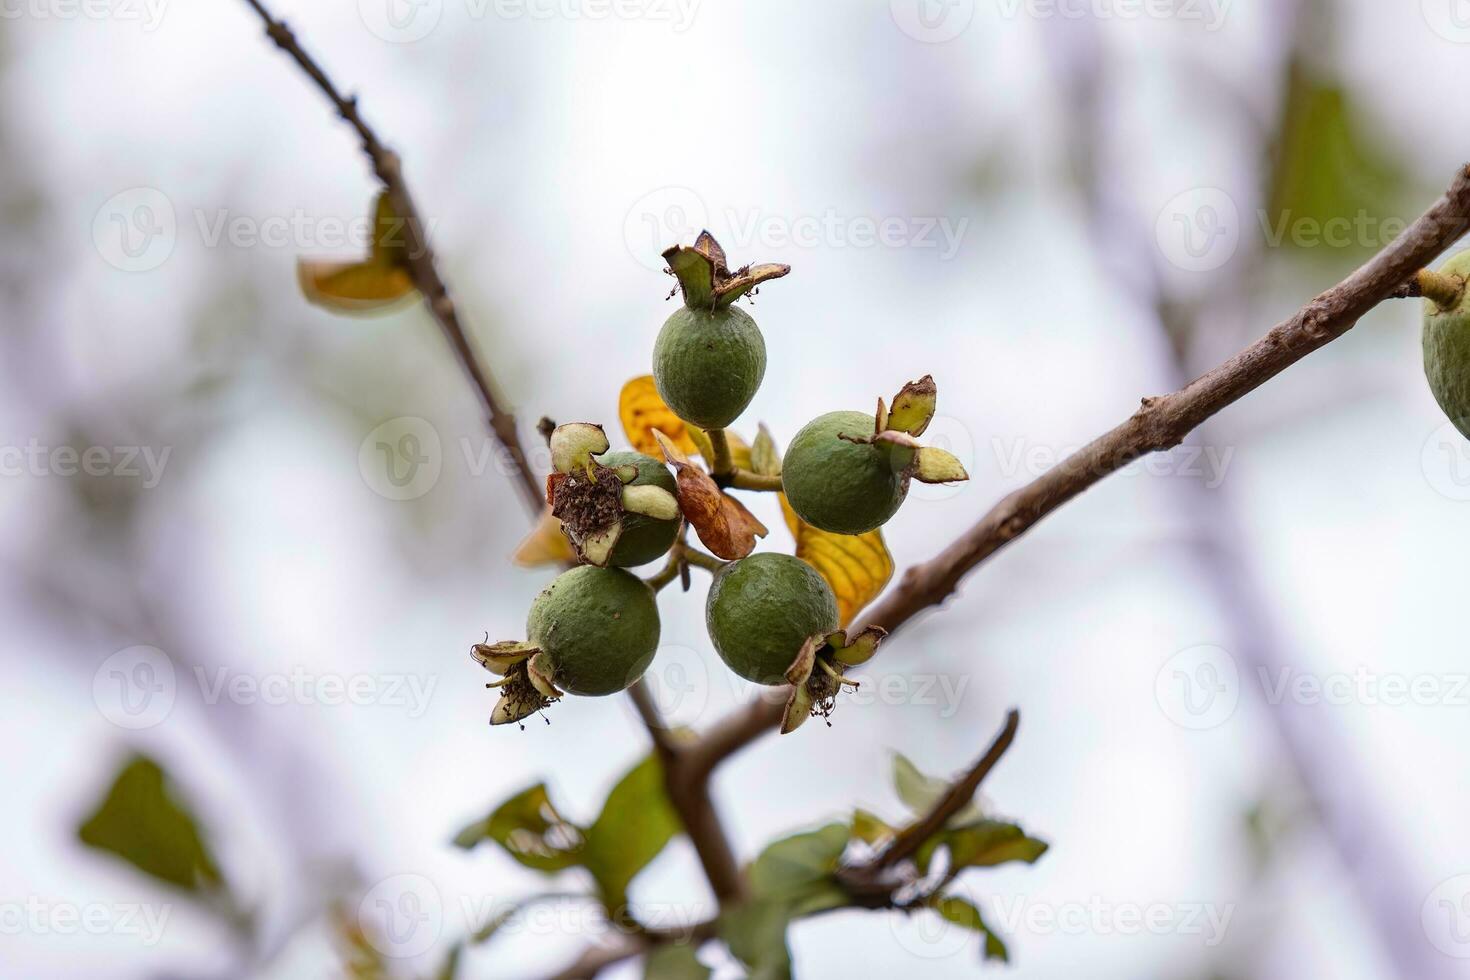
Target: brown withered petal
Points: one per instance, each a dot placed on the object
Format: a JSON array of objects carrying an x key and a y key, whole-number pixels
[{"x": 722, "y": 522}]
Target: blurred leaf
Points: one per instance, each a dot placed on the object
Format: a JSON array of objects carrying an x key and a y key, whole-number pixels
[
  {"x": 545, "y": 545},
  {"x": 360, "y": 958},
  {"x": 635, "y": 824},
  {"x": 966, "y": 915},
  {"x": 984, "y": 844},
  {"x": 919, "y": 792},
  {"x": 143, "y": 821},
  {"x": 869, "y": 828},
  {"x": 764, "y": 458},
  {"x": 721, "y": 521},
  {"x": 674, "y": 963},
  {"x": 354, "y": 287},
  {"x": 1329, "y": 167},
  {"x": 641, "y": 411},
  {"x": 376, "y": 284},
  {"x": 531, "y": 831},
  {"x": 755, "y": 931},
  {"x": 788, "y": 865}
]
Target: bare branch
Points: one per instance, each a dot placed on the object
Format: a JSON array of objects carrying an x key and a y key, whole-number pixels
[
  {"x": 422, "y": 264},
  {"x": 1161, "y": 423},
  {"x": 912, "y": 837}
]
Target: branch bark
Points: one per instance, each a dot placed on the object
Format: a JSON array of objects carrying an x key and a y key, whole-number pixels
[
  {"x": 1159, "y": 424},
  {"x": 423, "y": 265}
]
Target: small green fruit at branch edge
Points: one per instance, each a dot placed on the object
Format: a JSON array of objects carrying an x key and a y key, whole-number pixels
[
  {"x": 591, "y": 632},
  {"x": 848, "y": 473},
  {"x": 1447, "y": 346},
  {"x": 598, "y": 502},
  {"x": 710, "y": 357}
]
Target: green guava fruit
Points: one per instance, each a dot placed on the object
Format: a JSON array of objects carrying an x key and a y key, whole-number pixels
[
  {"x": 841, "y": 486},
  {"x": 598, "y": 627},
  {"x": 762, "y": 609},
  {"x": 643, "y": 538},
  {"x": 1447, "y": 348},
  {"x": 708, "y": 364}
]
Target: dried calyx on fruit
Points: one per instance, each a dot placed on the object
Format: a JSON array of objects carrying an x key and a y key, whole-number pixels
[
  {"x": 709, "y": 358},
  {"x": 599, "y": 502},
  {"x": 773, "y": 620},
  {"x": 1447, "y": 338},
  {"x": 848, "y": 472},
  {"x": 591, "y": 632}
]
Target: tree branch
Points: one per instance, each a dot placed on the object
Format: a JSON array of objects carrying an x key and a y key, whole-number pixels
[
  {"x": 423, "y": 266},
  {"x": 1161, "y": 423}
]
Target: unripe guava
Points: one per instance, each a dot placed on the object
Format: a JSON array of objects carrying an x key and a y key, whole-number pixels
[
  {"x": 598, "y": 627},
  {"x": 837, "y": 485},
  {"x": 1447, "y": 348},
  {"x": 762, "y": 609},
  {"x": 708, "y": 364},
  {"x": 643, "y": 538}
]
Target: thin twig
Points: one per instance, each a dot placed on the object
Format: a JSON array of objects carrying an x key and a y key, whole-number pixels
[
  {"x": 1161, "y": 423},
  {"x": 423, "y": 266},
  {"x": 690, "y": 798}
]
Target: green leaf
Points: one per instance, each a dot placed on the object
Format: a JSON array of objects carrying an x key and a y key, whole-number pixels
[
  {"x": 920, "y": 792},
  {"x": 635, "y": 824},
  {"x": 765, "y": 459},
  {"x": 1335, "y": 185},
  {"x": 869, "y": 828},
  {"x": 786, "y": 867},
  {"x": 531, "y": 831},
  {"x": 674, "y": 962},
  {"x": 143, "y": 820},
  {"x": 963, "y": 913},
  {"x": 755, "y": 931},
  {"x": 990, "y": 842}
]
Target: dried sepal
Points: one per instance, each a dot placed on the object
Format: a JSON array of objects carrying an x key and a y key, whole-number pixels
[
  {"x": 574, "y": 444},
  {"x": 857, "y": 649},
  {"x": 933, "y": 465},
  {"x": 525, "y": 685},
  {"x": 913, "y": 407},
  {"x": 650, "y": 501},
  {"x": 596, "y": 548},
  {"x": 721, "y": 521},
  {"x": 705, "y": 277},
  {"x": 545, "y": 544},
  {"x": 815, "y": 676}
]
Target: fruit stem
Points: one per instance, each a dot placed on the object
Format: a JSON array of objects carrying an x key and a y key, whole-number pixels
[
  {"x": 748, "y": 480},
  {"x": 723, "y": 465},
  {"x": 665, "y": 575},
  {"x": 699, "y": 559},
  {"x": 1444, "y": 290}
]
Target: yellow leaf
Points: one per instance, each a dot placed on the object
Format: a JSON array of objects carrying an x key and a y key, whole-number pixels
[
  {"x": 642, "y": 411},
  {"x": 354, "y": 287},
  {"x": 857, "y": 566},
  {"x": 545, "y": 545}
]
